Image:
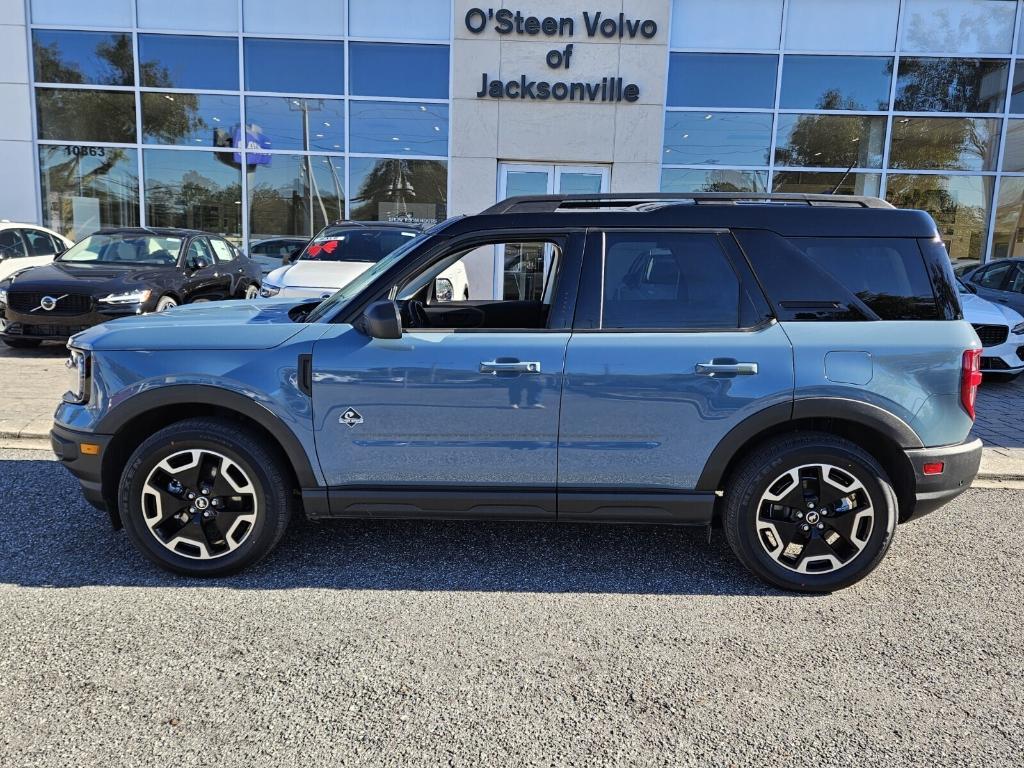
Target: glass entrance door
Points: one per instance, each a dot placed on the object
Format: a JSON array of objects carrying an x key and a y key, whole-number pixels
[{"x": 520, "y": 272}]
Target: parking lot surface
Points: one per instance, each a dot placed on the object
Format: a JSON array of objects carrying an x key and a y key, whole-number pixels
[{"x": 466, "y": 644}]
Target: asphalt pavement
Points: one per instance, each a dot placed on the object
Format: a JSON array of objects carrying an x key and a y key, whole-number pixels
[{"x": 468, "y": 644}]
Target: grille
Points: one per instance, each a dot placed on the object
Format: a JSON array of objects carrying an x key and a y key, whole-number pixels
[
  {"x": 992, "y": 335},
  {"x": 20, "y": 329},
  {"x": 71, "y": 304}
]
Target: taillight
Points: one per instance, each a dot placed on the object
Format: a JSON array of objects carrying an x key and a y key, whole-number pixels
[{"x": 970, "y": 379}]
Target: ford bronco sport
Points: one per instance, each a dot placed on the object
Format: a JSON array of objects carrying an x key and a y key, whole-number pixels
[{"x": 794, "y": 369}]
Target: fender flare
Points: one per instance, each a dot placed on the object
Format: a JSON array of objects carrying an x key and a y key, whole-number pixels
[
  {"x": 857, "y": 411},
  {"x": 182, "y": 394}
]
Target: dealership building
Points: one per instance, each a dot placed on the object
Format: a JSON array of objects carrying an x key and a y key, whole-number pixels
[{"x": 258, "y": 118}]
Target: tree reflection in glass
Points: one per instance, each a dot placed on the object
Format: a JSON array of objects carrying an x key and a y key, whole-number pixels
[{"x": 415, "y": 191}]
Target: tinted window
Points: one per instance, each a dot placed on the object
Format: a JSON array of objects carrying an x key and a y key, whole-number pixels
[
  {"x": 398, "y": 128},
  {"x": 85, "y": 115},
  {"x": 411, "y": 191},
  {"x": 11, "y": 244},
  {"x": 292, "y": 123},
  {"x": 721, "y": 80},
  {"x": 717, "y": 138},
  {"x": 1016, "y": 280},
  {"x": 366, "y": 245},
  {"x": 221, "y": 250},
  {"x": 830, "y": 141},
  {"x": 127, "y": 248},
  {"x": 396, "y": 69},
  {"x": 109, "y": 178},
  {"x": 1017, "y": 99},
  {"x": 180, "y": 61},
  {"x": 956, "y": 143},
  {"x": 994, "y": 276},
  {"x": 887, "y": 274},
  {"x": 192, "y": 119},
  {"x": 100, "y": 58},
  {"x": 195, "y": 190},
  {"x": 668, "y": 280},
  {"x": 724, "y": 180},
  {"x": 951, "y": 85},
  {"x": 835, "y": 82},
  {"x": 39, "y": 243},
  {"x": 295, "y": 66},
  {"x": 199, "y": 254}
]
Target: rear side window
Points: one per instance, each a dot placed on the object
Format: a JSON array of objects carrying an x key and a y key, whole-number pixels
[
  {"x": 887, "y": 274},
  {"x": 994, "y": 276},
  {"x": 670, "y": 280}
]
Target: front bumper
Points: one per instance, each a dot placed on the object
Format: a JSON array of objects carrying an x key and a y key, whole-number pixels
[
  {"x": 87, "y": 468},
  {"x": 59, "y": 327},
  {"x": 960, "y": 467}
]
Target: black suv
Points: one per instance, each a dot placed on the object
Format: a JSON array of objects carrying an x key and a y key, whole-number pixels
[{"x": 119, "y": 272}]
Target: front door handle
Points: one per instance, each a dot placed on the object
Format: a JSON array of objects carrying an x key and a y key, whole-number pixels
[
  {"x": 494, "y": 367},
  {"x": 735, "y": 369}
]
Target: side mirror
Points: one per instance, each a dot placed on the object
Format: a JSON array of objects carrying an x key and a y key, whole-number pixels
[
  {"x": 195, "y": 263},
  {"x": 381, "y": 320},
  {"x": 292, "y": 256},
  {"x": 971, "y": 288},
  {"x": 444, "y": 291}
]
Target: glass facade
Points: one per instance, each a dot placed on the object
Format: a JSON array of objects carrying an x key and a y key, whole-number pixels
[
  {"x": 917, "y": 101},
  {"x": 249, "y": 119}
]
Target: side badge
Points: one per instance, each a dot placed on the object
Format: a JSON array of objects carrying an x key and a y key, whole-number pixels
[{"x": 350, "y": 418}]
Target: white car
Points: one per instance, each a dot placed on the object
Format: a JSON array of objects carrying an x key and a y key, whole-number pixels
[
  {"x": 342, "y": 252},
  {"x": 1001, "y": 330},
  {"x": 28, "y": 245}
]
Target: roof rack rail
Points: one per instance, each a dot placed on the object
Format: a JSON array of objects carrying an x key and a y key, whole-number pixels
[{"x": 645, "y": 201}]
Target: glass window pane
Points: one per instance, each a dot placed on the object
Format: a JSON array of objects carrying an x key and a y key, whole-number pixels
[
  {"x": 1008, "y": 239},
  {"x": 188, "y": 118},
  {"x": 958, "y": 26},
  {"x": 960, "y": 206},
  {"x": 721, "y": 80},
  {"x": 196, "y": 190},
  {"x": 526, "y": 183},
  {"x": 85, "y": 115},
  {"x": 295, "y": 66},
  {"x": 398, "y": 128},
  {"x": 668, "y": 280},
  {"x": 946, "y": 143},
  {"x": 951, "y": 85},
  {"x": 726, "y": 24},
  {"x": 830, "y": 141},
  {"x": 188, "y": 61},
  {"x": 109, "y": 13},
  {"x": 293, "y": 123},
  {"x": 719, "y": 180},
  {"x": 717, "y": 138},
  {"x": 99, "y": 58},
  {"x": 397, "y": 69},
  {"x": 85, "y": 190},
  {"x": 1013, "y": 159},
  {"x": 865, "y": 25},
  {"x": 835, "y": 82},
  {"x": 301, "y": 17},
  {"x": 834, "y": 183},
  {"x": 296, "y": 195},
  {"x": 415, "y": 191},
  {"x": 1017, "y": 95},
  {"x": 421, "y": 19},
  {"x": 200, "y": 15}
]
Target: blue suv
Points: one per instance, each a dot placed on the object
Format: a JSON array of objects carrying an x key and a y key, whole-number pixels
[{"x": 793, "y": 369}]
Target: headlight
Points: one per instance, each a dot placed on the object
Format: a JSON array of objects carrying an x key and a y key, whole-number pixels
[
  {"x": 267, "y": 290},
  {"x": 129, "y": 297},
  {"x": 3, "y": 295},
  {"x": 78, "y": 376},
  {"x": 1016, "y": 330}
]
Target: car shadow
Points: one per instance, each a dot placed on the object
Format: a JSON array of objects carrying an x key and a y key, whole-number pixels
[
  {"x": 49, "y": 537},
  {"x": 998, "y": 408},
  {"x": 46, "y": 350}
]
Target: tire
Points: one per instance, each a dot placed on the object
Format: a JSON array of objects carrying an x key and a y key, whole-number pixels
[
  {"x": 251, "y": 292},
  {"x": 165, "y": 303},
  {"x": 261, "y": 494},
  {"x": 22, "y": 343},
  {"x": 770, "y": 539}
]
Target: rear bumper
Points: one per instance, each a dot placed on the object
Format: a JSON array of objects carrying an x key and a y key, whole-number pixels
[
  {"x": 960, "y": 467},
  {"x": 87, "y": 469}
]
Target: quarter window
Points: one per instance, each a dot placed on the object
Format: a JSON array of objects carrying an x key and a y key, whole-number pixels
[
  {"x": 668, "y": 280},
  {"x": 222, "y": 250},
  {"x": 11, "y": 244}
]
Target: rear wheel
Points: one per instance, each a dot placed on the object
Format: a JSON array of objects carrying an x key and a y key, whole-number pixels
[
  {"x": 22, "y": 343},
  {"x": 810, "y": 512},
  {"x": 204, "y": 497}
]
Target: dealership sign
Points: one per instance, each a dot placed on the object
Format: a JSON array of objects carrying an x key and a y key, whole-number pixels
[{"x": 592, "y": 25}]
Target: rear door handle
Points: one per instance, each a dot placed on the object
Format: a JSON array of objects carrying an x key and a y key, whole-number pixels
[
  {"x": 736, "y": 369},
  {"x": 493, "y": 366}
]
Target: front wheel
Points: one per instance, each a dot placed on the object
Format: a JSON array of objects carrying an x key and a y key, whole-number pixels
[
  {"x": 205, "y": 497},
  {"x": 810, "y": 512},
  {"x": 165, "y": 303},
  {"x": 252, "y": 292}
]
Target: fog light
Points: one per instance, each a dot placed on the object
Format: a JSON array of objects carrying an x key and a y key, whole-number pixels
[{"x": 934, "y": 468}]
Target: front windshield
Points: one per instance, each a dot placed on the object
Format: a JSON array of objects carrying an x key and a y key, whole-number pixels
[
  {"x": 363, "y": 244},
  {"x": 124, "y": 249},
  {"x": 336, "y": 301}
]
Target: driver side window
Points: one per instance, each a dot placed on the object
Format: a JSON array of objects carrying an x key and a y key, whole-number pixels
[{"x": 475, "y": 288}]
